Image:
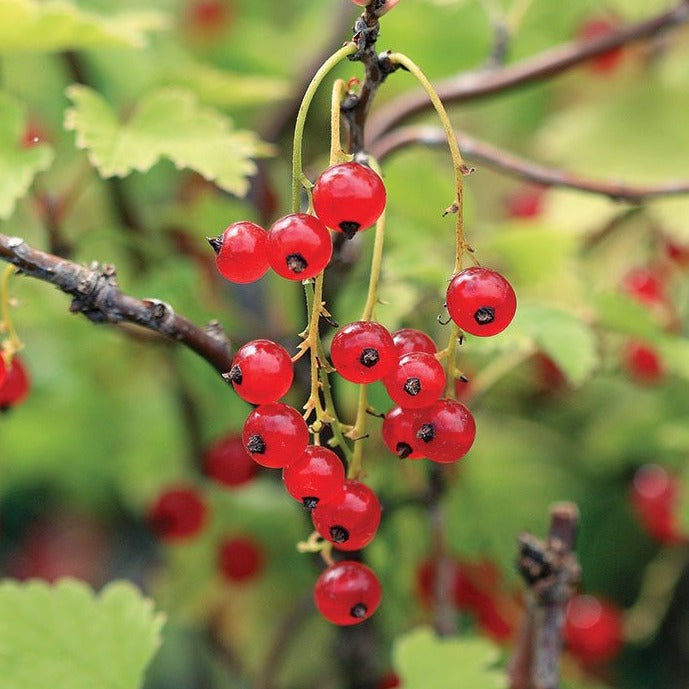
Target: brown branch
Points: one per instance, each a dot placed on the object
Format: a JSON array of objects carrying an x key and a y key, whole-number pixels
[
  {"x": 97, "y": 296},
  {"x": 528, "y": 170},
  {"x": 479, "y": 84},
  {"x": 551, "y": 572}
]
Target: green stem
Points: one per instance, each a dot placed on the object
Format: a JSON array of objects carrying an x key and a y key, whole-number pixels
[{"x": 298, "y": 177}]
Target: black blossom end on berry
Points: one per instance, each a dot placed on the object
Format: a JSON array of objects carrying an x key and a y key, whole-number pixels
[
  {"x": 484, "y": 315},
  {"x": 426, "y": 432},
  {"x": 339, "y": 534},
  {"x": 359, "y": 611},
  {"x": 309, "y": 503},
  {"x": 412, "y": 386},
  {"x": 349, "y": 228},
  {"x": 296, "y": 263},
  {"x": 463, "y": 378},
  {"x": 256, "y": 445},
  {"x": 235, "y": 375},
  {"x": 369, "y": 357},
  {"x": 215, "y": 242},
  {"x": 403, "y": 450}
]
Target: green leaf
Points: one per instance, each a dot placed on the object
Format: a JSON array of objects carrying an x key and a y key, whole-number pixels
[
  {"x": 562, "y": 335},
  {"x": 65, "y": 637},
  {"x": 425, "y": 661},
  {"x": 169, "y": 123},
  {"x": 44, "y": 27},
  {"x": 18, "y": 164}
]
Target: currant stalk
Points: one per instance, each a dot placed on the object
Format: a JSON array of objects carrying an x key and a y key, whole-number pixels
[{"x": 12, "y": 344}]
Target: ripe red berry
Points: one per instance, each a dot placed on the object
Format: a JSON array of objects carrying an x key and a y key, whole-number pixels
[
  {"x": 177, "y": 514},
  {"x": 3, "y": 371},
  {"x": 16, "y": 384},
  {"x": 643, "y": 362},
  {"x": 275, "y": 435},
  {"x": 240, "y": 559},
  {"x": 351, "y": 521},
  {"x": 408, "y": 340},
  {"x": 227, "y": 462},
  {"x": 317, "y": 476},
  {"x": 593, "y": 629},
  {"x": 240, "y": 252},
  {"x": 347, "y": 593},
  {"x": 481, "y": 301},
  {"x": 262, "y": 372},
  {"x": 596, "y": 28},
  {"x": 417, "y": 381},
  {"x": 645, "y": 285},
  {"x": 525, "y": 203},
  {"x": 654, "y": 497},
  {"x": 447, "y": 431},
  {"x": 399, "y": 433},
  {"x": 349, "y": 197},
  {"x": 389, "y": 681},
  {"x": 363, "y": 352},
  {"x": 299, "y": 246},
  {"x": 208, "y": 15}
]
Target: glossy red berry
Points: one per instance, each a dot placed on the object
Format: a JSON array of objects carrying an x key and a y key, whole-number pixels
[
  {"x": 227, "y": 462},
  {"x": 347, "y": 593},
  {"x": 655, "y": 497},
  {"x": 349, "y": 197},
  {"x": 399, "y": 433},
  {"x": 481, "y": 301},
  {"x": 240, "y": 252},
  {"x": 299, "y": 246},
  {"x": 16, "y": 384},
  {"x": 408, "y": 340},
  {"x": 446, "y": 430},
  {"x": 351, "y": 521},
  {"x": 363, "y": 352},
  {"x": 262, "y": 372},
  {"x": 643, "y": 362},
  {"x": 645, "y": 285},
  {"x": 593, "y": 629},
  {"x": 596, "y": 28},
  {"x": 240, "y": 559},
  {"x": 417, "y": 381},
  {"x": 3, "y": 371},
  {"x": 275, "y": 435},
  {"x": 177, "y": 514},
  {"x": 318, "y": 476}
]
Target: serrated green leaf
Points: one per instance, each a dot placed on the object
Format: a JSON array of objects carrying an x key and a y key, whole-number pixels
[
  {"x": 425, "y": 661},
  {"x": 562, "y": 335},
  {"x": 18, "y": 164},
  {"x": 44, "y": 27},
  {"x": 169, "y": 123},
  {"x": 65, "y": 637}
]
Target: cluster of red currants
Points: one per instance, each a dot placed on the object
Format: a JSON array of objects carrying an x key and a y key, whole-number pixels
[{"x": 349, "y": 197}]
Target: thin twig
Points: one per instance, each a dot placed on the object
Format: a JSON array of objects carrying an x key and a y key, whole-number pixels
[
  {"x": 479, "y": 84},
  {"x": 97, "y": 296},
  {"x": 481, "y": 152}
]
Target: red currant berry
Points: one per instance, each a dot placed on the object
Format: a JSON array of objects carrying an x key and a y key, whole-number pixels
[
  {"x": 16, "y": 384},
  {"x": 3, "y": 371},
  {"x": 399, "y": 433},
  {"x": 593, "y": 629},
  {"x": 262, "y": 372},
  {"x": 275, "y": 435},
  {"x": 208, "y": 15},
  {"x": 299, "y": 246},
  {"x": 240, "y": 252},
  {"x": 480, "y": 301},
  {"x": 178, "y": 513},
  {"x": 389, "y": 681},
  {"x": 677, "y": 253},
  {"x": 351, "y": 521},
  {"x": 349, "y": 197},
  {"x": 596, "y": 28},
  {"x": 655, "y": 495},
  {"x": 417, "y": 381},
  {"x": 525, "y": 204},
  {"x": 643, "y": 363},
  {"x": 347, "y": 593},
  {"x": 408, "y": 340},
  {"x": 645, "y": 285},
  {"x": 447, "y": 431},
  {"x": 363, "y": 352},
  {"x": 240, "y": 559},
  {"x": 227, "y": 462},
  {"x": 317, "y": 476}
]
